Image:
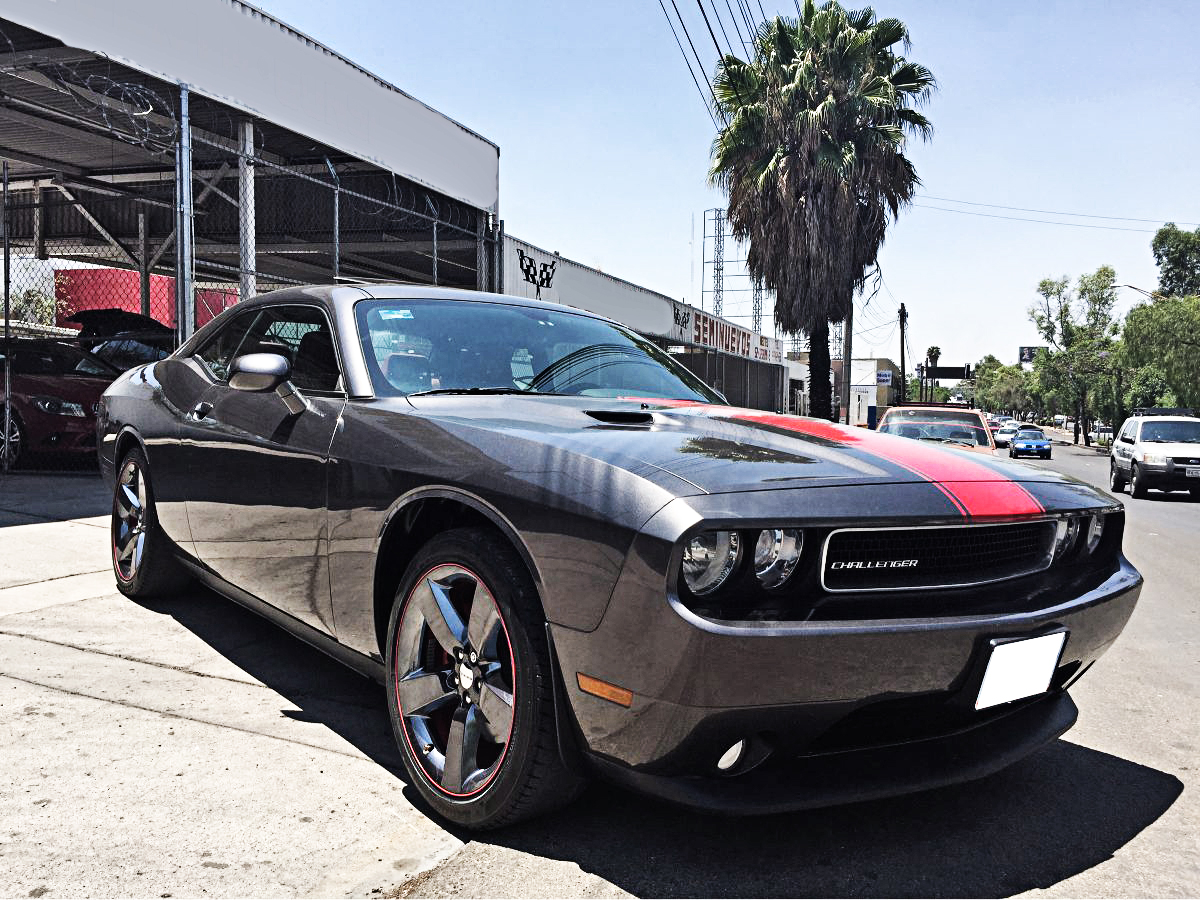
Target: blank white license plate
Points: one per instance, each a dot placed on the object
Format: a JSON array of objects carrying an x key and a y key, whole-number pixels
[
  {"x": 1018, "y": 669},
  {"x": 1193, "y": 471}
]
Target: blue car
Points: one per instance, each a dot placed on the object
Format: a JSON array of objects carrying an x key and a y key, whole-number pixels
[{"x": 1029, "y": 442}]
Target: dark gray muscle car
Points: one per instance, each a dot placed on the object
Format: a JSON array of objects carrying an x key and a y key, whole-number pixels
[{"x": 566, "y": 557}]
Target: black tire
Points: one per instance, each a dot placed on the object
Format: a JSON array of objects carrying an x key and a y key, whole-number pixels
[
  {"x": 496, "y": 782},
  {"x": 1011, "y": 455},
  {"x": 1137, "y": 483},
  {"x": 1116, "y": 481},
  {"x": 1195, "y": 492},
  {"x": 150, "y": 570},
  {"x": 15, "y": 446}
]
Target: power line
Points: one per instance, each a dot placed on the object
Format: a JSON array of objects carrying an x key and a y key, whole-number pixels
[
  {"x": 1050, "y": 212},
  {"x": 716, "y": 106},
  {"x": 967, "y": 212},
  {"x": 737, "y": 28},
  {"x": 721, "y": 23},
  {"x": 688, "y": 63}
]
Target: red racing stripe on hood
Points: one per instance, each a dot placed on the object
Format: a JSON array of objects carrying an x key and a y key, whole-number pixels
[{"x": 975, "y": 490}]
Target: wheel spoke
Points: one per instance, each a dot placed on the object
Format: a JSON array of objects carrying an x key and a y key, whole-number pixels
[
  {"x": 132, "y": 498},
  {"x": 496, "y": 708},
  {"x": 483, "y": 627},
  {"x": 125, "y": 550},
  {"x": 420, "y": 691},
  {"x": 433, "y": 600},
  {"x": 138, "y": 546},
  {"x": 461, "y": 749}
]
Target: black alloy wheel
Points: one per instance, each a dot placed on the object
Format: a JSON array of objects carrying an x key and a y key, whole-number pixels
[
  {"x": 11, "y": 444},
  {"x": 1116, "y": 481},
  {"x": 142, "y": 559},
  {"x": 1137, "y": 482},
  {"x": 469, "y": 690}
]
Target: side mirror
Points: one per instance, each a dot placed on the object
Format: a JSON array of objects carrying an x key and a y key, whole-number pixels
[{"x": 259, "y": 372}]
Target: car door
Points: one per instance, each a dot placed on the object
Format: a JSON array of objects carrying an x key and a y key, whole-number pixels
[
  {"x": 257, "y": 502},
  {"x": 1123, "y": 447}
]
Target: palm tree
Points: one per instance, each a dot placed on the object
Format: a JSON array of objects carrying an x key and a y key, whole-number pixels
[
  {"x": 812, "y": 160},
  {"x": 932, "y": 355}
]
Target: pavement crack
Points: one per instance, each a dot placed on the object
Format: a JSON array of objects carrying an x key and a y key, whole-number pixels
[
  {"x": 181, "y": 717},
  {"x": 10, "y": 587},
  {"x": 135, "y": 659}
]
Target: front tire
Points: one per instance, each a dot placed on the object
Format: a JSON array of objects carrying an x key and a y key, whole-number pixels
[
  {"x": 16, "y": 439},
  {"x": 1116, "y": 481},
  {"x": 469, "y": 686},
  {"x": 1137, "y": 483},
  {"x": 142, "y": 559}
]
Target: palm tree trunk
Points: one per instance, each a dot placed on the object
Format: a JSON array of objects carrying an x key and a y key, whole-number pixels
[{"x": 820, "y": 391}]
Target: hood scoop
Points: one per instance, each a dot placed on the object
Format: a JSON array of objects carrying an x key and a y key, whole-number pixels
[{"x": 621, "y": 416}]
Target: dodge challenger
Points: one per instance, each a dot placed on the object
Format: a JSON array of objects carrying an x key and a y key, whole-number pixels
[{"x": 567, "y": 558}]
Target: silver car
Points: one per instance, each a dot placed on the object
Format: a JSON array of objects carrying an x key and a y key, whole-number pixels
[{"x": 1156, "y": 451}]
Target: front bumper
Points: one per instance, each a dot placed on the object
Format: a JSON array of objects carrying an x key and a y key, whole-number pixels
[
  {"x": 1034, "y": 450},
  {"x": 1169, "y": 477},
  {"x": 833, "y": 711}
]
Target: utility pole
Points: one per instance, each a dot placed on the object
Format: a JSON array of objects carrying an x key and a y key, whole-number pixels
[
  {"x": 847, "y": 356},
  {"x": 903, "y": 376},
  {"x": 718, "y": 261}
]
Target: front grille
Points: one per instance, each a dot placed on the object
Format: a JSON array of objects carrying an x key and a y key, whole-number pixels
[
  {"x": 1186, "y": 460},
  {"x": 888, "y": 559}
]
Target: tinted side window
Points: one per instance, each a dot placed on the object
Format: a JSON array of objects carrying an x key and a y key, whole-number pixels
[
  {"x": 221, "y": 349},
  {"x": 302, "y": 335}
]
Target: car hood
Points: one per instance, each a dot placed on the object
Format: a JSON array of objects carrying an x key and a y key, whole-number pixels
[
  {"x": 720, "y": 449},
  {"x": 72, "y": 388},
  {"x": 1191, "y": 451}
]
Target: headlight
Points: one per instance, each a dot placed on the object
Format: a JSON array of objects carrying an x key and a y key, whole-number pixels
[
  {"x": 56, "y": 407},
  {"x": 1064, "y": 539},
  {"x": 708, "y": 559},
  {"x": 776, "y": 555},
  {"x": 1095, "y": 532},
  {"x": 1153, "y": 459}
]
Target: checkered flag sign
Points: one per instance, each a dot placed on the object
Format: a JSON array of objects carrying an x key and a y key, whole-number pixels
[{"x": 541, "y": 278}]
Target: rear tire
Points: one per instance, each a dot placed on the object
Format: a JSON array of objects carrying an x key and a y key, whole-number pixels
[
  {"x": 143, "y": 561},
  {"x": 1116, "y": 481},
  {"x": 469, "y": 686},
  {"x": 1137, "y": 483}
]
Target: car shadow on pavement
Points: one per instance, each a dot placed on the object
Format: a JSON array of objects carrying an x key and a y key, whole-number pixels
[
  {"x": 27, "y": 497},
  {"x": 1056, "y": 814},
  {"x": 1051, "y": 816},
  {"x": 322, "y": 690}
]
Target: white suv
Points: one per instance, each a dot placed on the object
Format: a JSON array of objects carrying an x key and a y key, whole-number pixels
[{"x": 1156, "y": 451}]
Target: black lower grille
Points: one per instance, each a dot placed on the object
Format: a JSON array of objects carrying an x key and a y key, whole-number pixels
[{"x": 907, "y": 558}]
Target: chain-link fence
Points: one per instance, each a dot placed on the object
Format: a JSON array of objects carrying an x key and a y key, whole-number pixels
[{"x": 137, "y": 211}]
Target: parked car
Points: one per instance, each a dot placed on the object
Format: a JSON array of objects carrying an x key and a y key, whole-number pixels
[
  {"x": 1005, "y": 434},
  {"x": 55, "y": 389},
  {"x": 571, "y": 559},
  {"x": 1101, "y": 434},
  {"x": 964, "y": 428},
  {"x": 1029, "y": 441},
  {"x": 122, "y": 338},
  {"x": 1159, "y": 452}
]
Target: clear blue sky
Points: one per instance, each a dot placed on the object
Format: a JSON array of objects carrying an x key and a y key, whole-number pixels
[{"x": 1079, "y": 107}]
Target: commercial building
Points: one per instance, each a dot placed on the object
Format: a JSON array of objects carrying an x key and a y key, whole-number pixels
[{"x": 748, "y": 368}]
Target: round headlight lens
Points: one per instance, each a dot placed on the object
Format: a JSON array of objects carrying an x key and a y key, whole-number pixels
[
  {"x": 776, "y": 555},
  {"x": 1068, "y": 532},
  {"x": 1095, "y": 532},
  {"x": 708, "y": 559}
]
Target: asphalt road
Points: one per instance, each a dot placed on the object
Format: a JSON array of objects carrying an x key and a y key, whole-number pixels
[{"x": 186, "y": 748}]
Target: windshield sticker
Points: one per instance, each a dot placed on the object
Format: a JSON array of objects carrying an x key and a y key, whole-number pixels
[{"x": 395, "y": 314}]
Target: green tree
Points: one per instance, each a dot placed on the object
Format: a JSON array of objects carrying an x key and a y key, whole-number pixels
[
  {"x": 1080, "y": 329},
  {"x": 1165, "y": 333},
  {"x": 1177, "y": 253},
  {"x": 1149, "y": 387},
  {"x": 812, "y": 160}
]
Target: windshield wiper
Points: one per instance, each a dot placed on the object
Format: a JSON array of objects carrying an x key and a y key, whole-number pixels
[{"x": 475, "y": 390}]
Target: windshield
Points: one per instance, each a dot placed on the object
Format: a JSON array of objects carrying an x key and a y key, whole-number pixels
[
  {"x": 943, "y": 432},
  {"x": 1172, "y": 432},
  {"x": 57, "y": 359},
  {"x": 1031, "y": 434},
  {"x": 464, "y": 346}
]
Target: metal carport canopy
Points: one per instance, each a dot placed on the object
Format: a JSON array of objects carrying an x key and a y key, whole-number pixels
[{"x": 233, "y": 52}]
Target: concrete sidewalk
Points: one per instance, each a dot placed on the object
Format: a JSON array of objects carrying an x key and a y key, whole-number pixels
[{"x": 182, "y": 747}]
